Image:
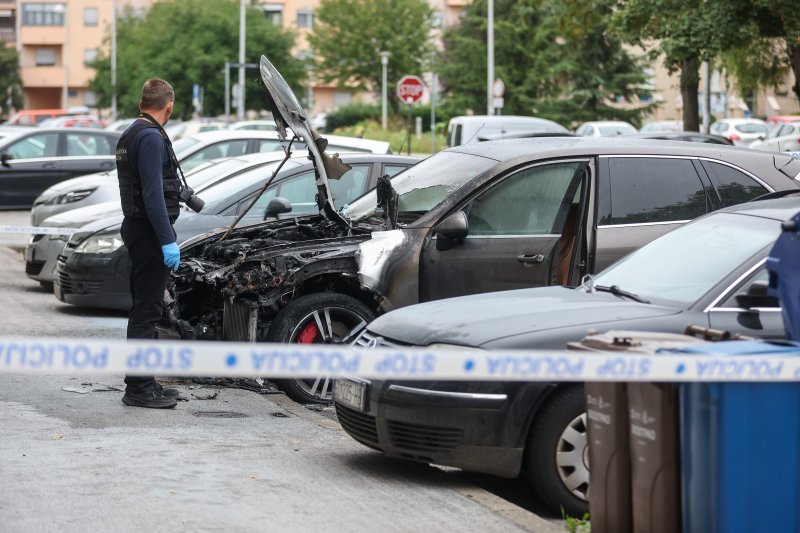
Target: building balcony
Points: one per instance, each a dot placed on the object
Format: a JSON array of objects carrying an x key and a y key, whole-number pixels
[
  {"x": 8, "y": 36},
  {"x": 41, "y": 35},
  {"x": 42, "y": 76}
]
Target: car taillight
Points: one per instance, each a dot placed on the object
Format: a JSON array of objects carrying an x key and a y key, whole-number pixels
[{"x": 733, "y": 137}]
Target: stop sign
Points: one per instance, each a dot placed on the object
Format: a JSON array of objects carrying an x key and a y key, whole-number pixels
[{"x": 410, "y": 89}]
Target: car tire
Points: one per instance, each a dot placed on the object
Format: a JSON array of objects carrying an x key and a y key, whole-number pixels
[
  {"x": 300, "y": 322},
  {"x": 557, "y": 455}
]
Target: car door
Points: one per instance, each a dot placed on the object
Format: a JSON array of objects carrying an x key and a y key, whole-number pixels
[
  {"x": 728, "y": 315},
  {"x": 515, "y": 227},
  {"x": 86, "y": 153},
  {"x": 29, "y": 166},
  {"x": 640, "y": 198}
]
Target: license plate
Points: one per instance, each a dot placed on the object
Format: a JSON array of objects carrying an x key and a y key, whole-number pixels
[
  {"x": 28, "y": 254},
  {"x": 350, "y": 393}
]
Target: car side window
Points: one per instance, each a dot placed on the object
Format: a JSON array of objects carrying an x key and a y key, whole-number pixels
[
  {"x": 273, "y": 145},
  {"x": 646, "y": 190},
  {"x": 300, "y": 190},
  {"x": 392, "y": 170},
  {"x": 214, "y": 151},
  {"x": 525, "y": 203},
  {"x": 37, "y": 145},
  {"x": 761, "y": 275},
  {"x": 734, "y": 187},
  {"x": 81, "y": 144}
]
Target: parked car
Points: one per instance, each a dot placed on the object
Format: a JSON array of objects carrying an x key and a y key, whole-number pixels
[
  {"x": 121, "y": 124},
  {"x": 662, "y": 126},
  {"x": 474, "y": 128},
  {"x": 178, "y": 129},
  {"x": 191, "y": 152},
  {"x": 690, "y": 136},
  {"x": 6, "y": 131},
  {"x": 31, "y": 161},
  {"x": 72, "y": 121},
  {"x": 709, "y": 272},
  {"x": 741, "y": 131},
  {"x": 476, "y": 218},
  {"x": 605, "y": 128},
  {"x": 261, "y": 125},
  {"x": 33, "y": 117},
  {"x": 94, "y": 268},
  {"x": 786, "y": 139},
  {"x": 41, "y": 254}
]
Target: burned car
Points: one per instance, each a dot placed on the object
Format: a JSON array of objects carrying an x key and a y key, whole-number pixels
[{"x": 476, "y": 218}]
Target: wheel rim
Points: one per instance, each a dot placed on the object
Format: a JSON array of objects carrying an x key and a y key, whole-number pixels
[
  {"x": 572, "y": 458},
  {"x": 327, "y": 325}
]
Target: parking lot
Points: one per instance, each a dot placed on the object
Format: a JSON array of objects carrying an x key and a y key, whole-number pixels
[{"x": 74, "y": 456}]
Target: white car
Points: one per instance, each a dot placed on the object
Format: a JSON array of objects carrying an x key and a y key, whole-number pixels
[
  {"x": 662, "y": 125},
  {"x": 784, "y": 143},
  {"x": 261, "y": 125},
  {"x": 740, "y": 131},
  {"x": 191, "y": 152},
  {"x": 605, "y": 128}
]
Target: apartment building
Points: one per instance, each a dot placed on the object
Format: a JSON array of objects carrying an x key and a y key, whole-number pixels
[{"x": 56, "y": 41}]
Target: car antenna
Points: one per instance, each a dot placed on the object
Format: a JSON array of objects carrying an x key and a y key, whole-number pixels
[
  {"x": 476, "y": 133},
  {"x": 288, "y": 152}
]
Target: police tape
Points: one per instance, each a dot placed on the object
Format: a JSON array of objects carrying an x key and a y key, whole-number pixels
[
  {"x": 239, "y": 359},
  {"x": 37, "y": 230}
]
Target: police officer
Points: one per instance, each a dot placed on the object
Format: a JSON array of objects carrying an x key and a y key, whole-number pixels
[{"x": 149, "y": 189}]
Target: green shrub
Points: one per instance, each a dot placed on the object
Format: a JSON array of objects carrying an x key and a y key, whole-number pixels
[{"x": 352, "y": 114}]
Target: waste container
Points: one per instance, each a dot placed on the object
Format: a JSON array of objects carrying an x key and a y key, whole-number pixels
[
  {"x": 633, "y": 422},
  {"x": 740, "y": 448}
]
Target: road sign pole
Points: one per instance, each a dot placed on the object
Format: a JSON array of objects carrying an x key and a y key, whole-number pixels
[
  {"x": 227, "y": 91},
  {"x": 408, "y": 134}
]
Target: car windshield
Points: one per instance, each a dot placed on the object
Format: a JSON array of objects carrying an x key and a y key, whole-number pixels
[
  {"x": 211, "y": 171},
  {"x": 224, "y": 189},
  {"x": 424, "y": 185},
  {"x": 181, "y": 145},
  {"x": 680, "y": 267}
]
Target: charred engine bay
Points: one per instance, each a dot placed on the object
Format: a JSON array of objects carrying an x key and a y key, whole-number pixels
[{"x": 263, "y": 267}]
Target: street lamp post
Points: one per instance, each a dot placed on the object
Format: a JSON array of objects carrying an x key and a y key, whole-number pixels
[
  {"x": 384, "y": 64},
  {"x": 490, "y": 58},
  {"x": 62, "y": 8},
  {"x": 113, "y": 60},
  {"x": 240, "y": 100}
]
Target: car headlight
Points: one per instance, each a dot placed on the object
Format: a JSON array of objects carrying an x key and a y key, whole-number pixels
[
  {"x": 102, "y": 242},
  {"x": 70, "y": 197}
]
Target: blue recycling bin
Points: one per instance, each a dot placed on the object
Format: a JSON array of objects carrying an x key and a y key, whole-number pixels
[
  {"x": 740, "y": 444},
  {"x": 783, "y": 265}
]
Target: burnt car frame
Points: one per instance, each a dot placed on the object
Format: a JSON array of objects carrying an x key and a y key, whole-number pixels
[{"x": 477, "y": 218}]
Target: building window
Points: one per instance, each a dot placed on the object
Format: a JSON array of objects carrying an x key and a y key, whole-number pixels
[
  {"x": 273, "y": 13},
  {"x": 305, "y": 18},
  {"x": 89, "y": 56},
  {"x": 90, "y": 16},
  {"x": 45, "y": 57},
  {"x": 43, "y": 14}
]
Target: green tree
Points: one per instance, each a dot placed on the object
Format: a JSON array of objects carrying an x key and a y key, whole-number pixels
[
  {"x": 349, "y": 35},
  {"x": 9, "y": 77},
  {"x": 556, "y": 62},
  {"x": 684, "y": 33},
  {"x": 187, "y": 42}
]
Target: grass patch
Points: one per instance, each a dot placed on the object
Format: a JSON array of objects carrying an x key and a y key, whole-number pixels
[{"x": 395, "y": 133}]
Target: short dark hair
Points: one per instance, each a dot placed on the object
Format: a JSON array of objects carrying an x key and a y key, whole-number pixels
[{"x": 156, "y": 94}]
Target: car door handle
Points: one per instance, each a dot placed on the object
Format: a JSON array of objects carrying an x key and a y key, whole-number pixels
[
  {"x": 50, "y": 165},
  {"x": 528, "y": 259},
  {"x": 107, "y": 164}
]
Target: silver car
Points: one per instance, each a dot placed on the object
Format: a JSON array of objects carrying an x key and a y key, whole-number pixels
[{"x": 191, "y": 152}]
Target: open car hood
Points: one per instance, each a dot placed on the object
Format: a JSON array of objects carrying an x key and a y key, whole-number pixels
[{"x": 288, "y": 113}]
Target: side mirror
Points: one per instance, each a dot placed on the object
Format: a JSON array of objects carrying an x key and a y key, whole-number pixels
[
  {"x": 277, "y": 206},
  {"x": 756, "y": 296},
  {"x": 454, "y": 228},
  {"x": 5, "y": 157}
]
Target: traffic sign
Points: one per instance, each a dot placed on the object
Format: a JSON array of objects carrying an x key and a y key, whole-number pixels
[{"x": 410, "y": 89}]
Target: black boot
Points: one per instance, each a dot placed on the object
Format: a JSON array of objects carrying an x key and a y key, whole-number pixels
[
  {"x": 145, "y": 395},
  {"x": 166, "y": 391}
]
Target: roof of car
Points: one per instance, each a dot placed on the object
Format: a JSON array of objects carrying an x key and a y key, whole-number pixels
[
  {"x": 504, "y": 149},
  {"x": 25, "y": 131}
]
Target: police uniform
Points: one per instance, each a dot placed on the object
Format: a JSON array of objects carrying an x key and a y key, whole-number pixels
[{"x": 149, "y": 191}]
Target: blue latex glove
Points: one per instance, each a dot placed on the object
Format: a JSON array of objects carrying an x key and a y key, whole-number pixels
[{"x": 172, "y": 255}]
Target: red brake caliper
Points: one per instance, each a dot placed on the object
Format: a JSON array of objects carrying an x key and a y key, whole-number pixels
[{"x": 308, "y": 334}]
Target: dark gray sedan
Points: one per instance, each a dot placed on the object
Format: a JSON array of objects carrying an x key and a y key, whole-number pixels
[
  {"x": 709, "y": 272},
  {"x": 34, "y": 160}
]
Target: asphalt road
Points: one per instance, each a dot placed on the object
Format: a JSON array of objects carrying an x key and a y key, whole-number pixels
[{"x": 74, "y": 458}]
